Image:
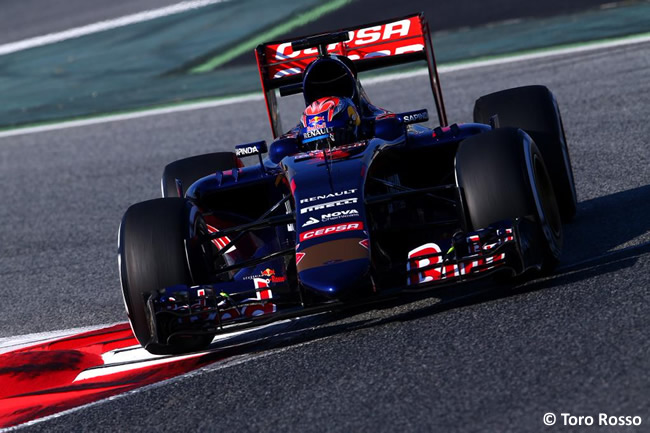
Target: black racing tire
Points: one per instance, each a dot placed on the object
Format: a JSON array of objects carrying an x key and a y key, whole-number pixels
[
  {"x": 503, "y": 176},
  {"x": 535, "y": 110},
  {"x": 152, "y": 255},
  {"x": 189, "y": 170}
]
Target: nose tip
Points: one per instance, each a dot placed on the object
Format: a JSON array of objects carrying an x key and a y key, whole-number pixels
[{"x": 337, "y": 279}]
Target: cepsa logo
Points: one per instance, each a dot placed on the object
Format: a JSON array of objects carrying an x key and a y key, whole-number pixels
[
  {"x": 324, "y": 231},
  {"x": 359, "y": 38}
]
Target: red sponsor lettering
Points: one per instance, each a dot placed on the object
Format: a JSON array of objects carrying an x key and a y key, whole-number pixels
[
  {"x": 393, "y": 38},
  {"x": 429, "y": 254},
  {"x": 324, "y": 231}
]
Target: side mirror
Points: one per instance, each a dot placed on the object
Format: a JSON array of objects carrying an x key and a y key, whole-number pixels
[
  {"x": 283, "y": 147},
  {"x": 388, "y": 127}
]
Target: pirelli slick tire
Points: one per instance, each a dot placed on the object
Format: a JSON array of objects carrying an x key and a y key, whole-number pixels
[
  {"x": 189, "y": 170},
  {"x": 152, "y": 255},
  {"x": 535, "y": 110},
  {"x": 503, "y": 176}
]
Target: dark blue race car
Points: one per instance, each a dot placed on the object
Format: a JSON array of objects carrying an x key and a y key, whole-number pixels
[{"x": 353, "y": 204}]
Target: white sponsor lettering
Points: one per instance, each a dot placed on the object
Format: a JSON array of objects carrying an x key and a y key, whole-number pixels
[
  {"x": 339, "y": 214},
  {"x": 331, "y": 229},
  {"x": 281, "y": 53},
  {"x": 409, "y": 49},
  {"x": 358, "y": 37},
  {"x": 605, "y": 419},
  {"x": 317, "y": 132},
  {"x": 331, "y": 195},
  {"x": 328, "y": 205},
  {"x": 400, "y": 28},
  {"x": 416, "y": 117},
  {"x": 250, "y": 150},
  {"x": 367, "y": 35}
]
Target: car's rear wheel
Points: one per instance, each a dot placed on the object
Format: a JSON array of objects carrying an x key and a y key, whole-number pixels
[
  {"x": 152, "y": 255},
  {"x": 535, "y": 110},
  {"x": 503, "y": 176},
  {"x": 179, "y": 175}
]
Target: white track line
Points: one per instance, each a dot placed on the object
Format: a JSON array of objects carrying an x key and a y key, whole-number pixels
[
  {"x": 369, "y": 81},
  {"x": 133, "y": 115},
  {"x": 100, "y": 26},
  {"x": 9, "y": 344}
]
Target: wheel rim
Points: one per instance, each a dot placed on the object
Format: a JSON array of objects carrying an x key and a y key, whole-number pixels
[
  {"x": 548, "y": 202},
  {"x": 548, "y": 211}
]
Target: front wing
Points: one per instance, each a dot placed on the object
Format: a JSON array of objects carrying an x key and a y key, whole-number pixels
[{"x": 179, "y": 311}]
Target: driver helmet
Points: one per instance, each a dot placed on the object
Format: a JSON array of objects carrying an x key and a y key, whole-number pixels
[{"x": 329, "y": 122}]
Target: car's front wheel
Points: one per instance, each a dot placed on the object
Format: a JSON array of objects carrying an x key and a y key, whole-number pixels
[
  {"x": 535, "y": 110},
  {"x": 503, "y": 176},
  {"x": 155, "y": 240}
]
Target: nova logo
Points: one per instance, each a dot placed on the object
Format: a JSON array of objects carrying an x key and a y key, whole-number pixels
[
  {"x": 340, "y": 214},
  {"x": 324, "y": 231},
  {"x": 310, "y": 221}
]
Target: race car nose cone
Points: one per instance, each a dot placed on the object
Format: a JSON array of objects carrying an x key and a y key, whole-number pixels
[{"x": 336, "y": 280}]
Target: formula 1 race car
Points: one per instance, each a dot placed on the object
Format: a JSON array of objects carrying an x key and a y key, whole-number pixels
[{"x": 355, "y": 203}]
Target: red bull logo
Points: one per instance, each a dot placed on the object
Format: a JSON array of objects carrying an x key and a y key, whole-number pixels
[
  {"x": 316, "y": 119},
  {"x": 268, "y": 272}
]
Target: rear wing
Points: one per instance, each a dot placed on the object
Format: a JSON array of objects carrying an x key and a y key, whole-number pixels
[{"x": 372, "y": 46}]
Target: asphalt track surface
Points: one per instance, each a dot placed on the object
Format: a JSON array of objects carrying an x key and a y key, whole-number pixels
[
  {"x": 574, "y": 342},
  {"x": 21, "y": 19}
]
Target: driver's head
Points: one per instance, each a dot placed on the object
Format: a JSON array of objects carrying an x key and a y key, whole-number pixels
[{"x": 329, "y": 122}]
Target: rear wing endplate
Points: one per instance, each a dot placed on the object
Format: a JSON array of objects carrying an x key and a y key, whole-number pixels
[{"x": 372, "y": 46}]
